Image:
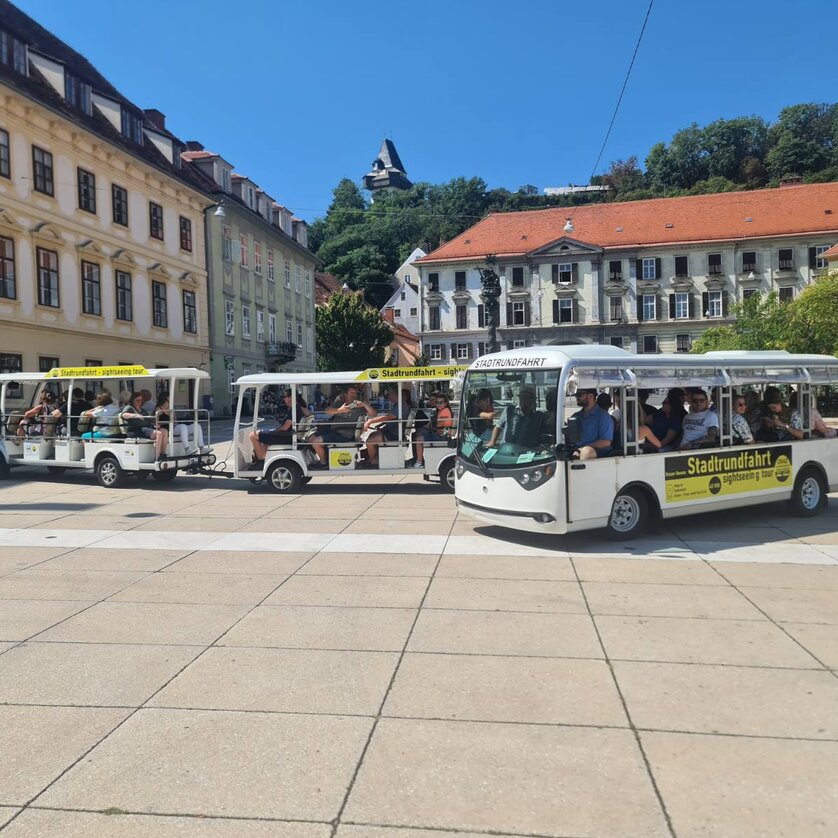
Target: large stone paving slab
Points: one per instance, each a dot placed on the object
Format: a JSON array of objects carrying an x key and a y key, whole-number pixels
[
  {"x": 249, "y": 765},
  {"x": 87, "y": 673},
  {"x": 203, "y": 589},
  {"x": 364, "y": 591},
  {"x": 506, "y": 595},
  {"x": 21, "y": 618},
  {"x": 37, "y": 823},
  {"x": 733, "y": 786},
  {"x": 42, "y": 583},
  {"x": 509, "y": 778},
  {"x": 38, "y": 743}
]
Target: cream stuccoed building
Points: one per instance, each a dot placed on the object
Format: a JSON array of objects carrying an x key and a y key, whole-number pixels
[
  {"x": 649, "y": 276},
  {"x": 102, "y": 257}
]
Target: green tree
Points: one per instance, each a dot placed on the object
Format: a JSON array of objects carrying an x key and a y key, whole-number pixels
[
  {"x": 762, "y": 322},
  {"x": 813, "y": 324},
  {"x": 350, "y": 334}
]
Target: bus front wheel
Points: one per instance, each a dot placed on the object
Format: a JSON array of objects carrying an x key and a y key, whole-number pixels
[
  {"x": 809, "y": 493},
  {"x": 285, "y": 477},
  {"x": 628, "y": 514}
]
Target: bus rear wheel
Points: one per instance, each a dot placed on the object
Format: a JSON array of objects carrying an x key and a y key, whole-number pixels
[
  {"x": 809, "y": 493},
  {"x": 109, "y": 473},
  {"x": 447, "y": 477},
  {"x": 285, "y": 478},
  {"x": 628, "y": 514}
]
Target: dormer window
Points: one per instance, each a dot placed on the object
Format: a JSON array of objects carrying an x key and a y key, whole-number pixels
[
  {"x": 225, "y": 179},
  {"x": 132, "y": 127},
  {"x": 13, "y": 53},
  {"x": 77, "y": 93}
]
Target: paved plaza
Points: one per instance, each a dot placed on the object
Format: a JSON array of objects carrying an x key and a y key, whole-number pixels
[{"x": 206, "y": 658}]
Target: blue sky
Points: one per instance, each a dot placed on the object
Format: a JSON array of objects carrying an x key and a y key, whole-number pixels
[{"x": 299, "y": 94}]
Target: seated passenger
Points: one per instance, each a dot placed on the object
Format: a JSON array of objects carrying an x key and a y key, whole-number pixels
[
  {"x": 700, "y": 427},
  {"x": 742, "y": 434},
  {"x": 596, "y": 427},
  {"x": 72, "y": 408},
  {"x": 666, "y": 423},
  {"x": 386, "y": 426},
  {"x": 753, "y": 412},
  {"x": 137, "y": 420},
  {"x": 819, "y": 427},
  {"x": 441, "y": 428},
  {"x": 642, "y": 398},
  {"x": 521, "y": 425},
  {"x": 779, "y": 423},
  {"x": 283, "y": 431},
  {"x": 344, "y": 411},
  {"x": 149, "y": 404},
  {"x": 645, "y": 434},
  {"x": 103, "y": 416},
  {"x": 34, "y": 422},
  {"x": 163, "y": 427},
  {"x": 480, "y": 414}
]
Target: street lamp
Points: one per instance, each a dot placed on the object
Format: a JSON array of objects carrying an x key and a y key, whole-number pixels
[{"x": 490, "y": 296}]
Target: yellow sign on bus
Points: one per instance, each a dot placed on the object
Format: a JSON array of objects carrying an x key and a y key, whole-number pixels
[
  {"x": 410, "y": 373},
  {"x": 98, "y": 372}
]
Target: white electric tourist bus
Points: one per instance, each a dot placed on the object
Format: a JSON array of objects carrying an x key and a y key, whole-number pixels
[
  {"x": 59, "y": 436},
  {"x": 349, "y": 442},
  {"x": 519, "y": 462}
]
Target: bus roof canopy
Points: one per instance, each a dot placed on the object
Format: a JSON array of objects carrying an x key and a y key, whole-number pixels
[
  {"x": 386, "y": 375},
  {"x": 89, "y": 373}
]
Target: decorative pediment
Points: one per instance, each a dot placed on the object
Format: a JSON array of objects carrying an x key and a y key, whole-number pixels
[
  {"x": 188, "y": 278},
  {"x": 518, "y": 292},
  {"x": 682, "y": 283},
  {"x": 565, "y": 291},
  {"x": 91, "y": 248},
  {"x": 565, "y": 248},
  {"x": 125, "y": 257},
  {"x": 462, "y": 294},
  {"x": 47, "y": 231},
  {"x": 159, "y": 269},
  {"x": 615, "y": 289},
  {"x": 716, "y": 283},
  {"x": 646, "y": 286},
  {"x": 8, "y": 222}
]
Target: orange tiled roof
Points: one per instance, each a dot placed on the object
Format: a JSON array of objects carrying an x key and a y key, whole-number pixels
[
  {"x": 831, "y": 255},
  {"x": 785, "y": 211},
  {"x": 197, "y": 155}
]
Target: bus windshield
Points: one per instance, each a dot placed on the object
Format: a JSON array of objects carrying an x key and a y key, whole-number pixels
[{"x": 509, "y": 417}]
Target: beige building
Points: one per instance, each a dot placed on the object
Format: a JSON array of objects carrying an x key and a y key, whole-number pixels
[
  {"x": 649, "y": 276},
  {"x": 102, "y": 257}
]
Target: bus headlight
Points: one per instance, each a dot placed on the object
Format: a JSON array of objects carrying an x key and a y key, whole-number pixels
[
  {"x": 537, "y": 475},
  {"x": 524, "y": 478},
  {"x": 460, "y": 469}
]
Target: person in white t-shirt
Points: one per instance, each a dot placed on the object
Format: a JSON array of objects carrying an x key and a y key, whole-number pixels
[{"x": 701, "y": 425}]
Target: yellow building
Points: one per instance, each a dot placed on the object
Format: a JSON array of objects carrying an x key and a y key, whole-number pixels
[{"x": 102, "y": 257}]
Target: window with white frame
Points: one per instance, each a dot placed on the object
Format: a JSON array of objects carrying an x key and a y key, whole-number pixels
[
  {"x": 714, "y": 304},
  {"x": 714, "y": 264},
  {"x": 244, "y": 245},
  {"x": 229, "y": 318},
  {"x": 287, "y": 273},
  {"x": 519, "y": 344},
  {"x": 435, "y": 352},
  {"x": 414, "y": 312},
  {"x": 616, "y": 341},
  {"x": 300, "y": 335},
  {"x": 786, "y": 294},
  {"x": 289, "y": 331},
  {"x": 682, "y": 305},
  {"x": 397, "y": 312},
  {"x": 307, "y": 284},
  {"x": 819, "y": 251},
  {"x": 226, "y": 244},
  {"x": 271, "y": 328},
  {"x": 683, "y": 343},
  {"x": 649, "y": 269},
  {"x": 462, "y": 351},
  {"x": 565, "y": 310},
  {"x": 246, "y": 322},
  {"x": 270, "y": 265},
  {"x": 257, "y": 257},
  {"x": 260, "y": 325},
  {"x": 650, "y": 306},
  {"x": 298, "y": 279},
  {"x": 519, "y": 314},
  {"x": 615, "y": 308},
  {"x": 566, "y": 273},
  {"x": 650, "y": 343}
]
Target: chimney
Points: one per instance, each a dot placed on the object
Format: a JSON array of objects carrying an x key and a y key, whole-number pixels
[
  {"x": 157, "y": 119},
  {"x": 193, "y": 145},
  {"x": 388, "y": 316}
]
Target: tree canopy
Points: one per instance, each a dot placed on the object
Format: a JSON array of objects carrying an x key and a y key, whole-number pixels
[{"x": 350, "y": 334}]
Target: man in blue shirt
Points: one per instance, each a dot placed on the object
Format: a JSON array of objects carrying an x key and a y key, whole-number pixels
[{"x": 596, "y": 427}]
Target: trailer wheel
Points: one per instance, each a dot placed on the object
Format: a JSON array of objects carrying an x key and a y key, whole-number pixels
[
  {"x": 284, "y": 477},
  {"x": 809, "y": 493},
  {"x": 166, "y": 476},
  {"x": 447, "y": 475},
  {"x": 109, "y": 473},
  {"x": 628, "y": 514}
]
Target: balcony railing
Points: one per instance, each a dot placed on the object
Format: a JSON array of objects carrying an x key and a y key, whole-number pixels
[{"x": 281, "y": 353}]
